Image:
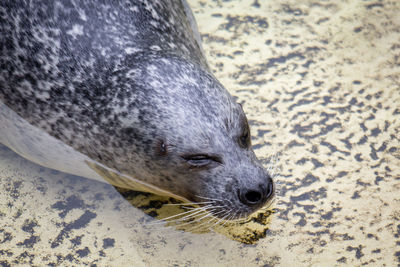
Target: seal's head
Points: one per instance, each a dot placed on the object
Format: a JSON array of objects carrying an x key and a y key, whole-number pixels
[{"x": 189, "y": 136}]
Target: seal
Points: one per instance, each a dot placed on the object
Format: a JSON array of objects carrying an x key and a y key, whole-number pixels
[{"x": 125, "y": 86}]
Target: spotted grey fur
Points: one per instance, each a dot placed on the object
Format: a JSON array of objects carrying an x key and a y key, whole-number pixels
[{"x": 125, "y": 84}]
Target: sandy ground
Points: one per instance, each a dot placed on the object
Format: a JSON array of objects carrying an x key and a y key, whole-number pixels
[{"x": 320, "y": 83}]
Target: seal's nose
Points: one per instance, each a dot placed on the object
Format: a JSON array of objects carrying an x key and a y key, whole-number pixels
[{"x": 258, "y": 195}]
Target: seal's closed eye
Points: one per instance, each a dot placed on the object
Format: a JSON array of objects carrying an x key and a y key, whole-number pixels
[{"x": 201, "y": 160}]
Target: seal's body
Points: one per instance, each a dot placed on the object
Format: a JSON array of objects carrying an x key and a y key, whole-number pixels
[{"x": 126, "y": 85}]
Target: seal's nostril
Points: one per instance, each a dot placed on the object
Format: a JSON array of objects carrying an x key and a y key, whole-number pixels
[
  {"x": 258, "y": 195},
  {"x": 253, "y": 197}
]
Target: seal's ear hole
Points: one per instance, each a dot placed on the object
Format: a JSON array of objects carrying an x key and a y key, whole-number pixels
[
  {"x": 161, "y": 148},
  {"x": 245, "y": 138}
]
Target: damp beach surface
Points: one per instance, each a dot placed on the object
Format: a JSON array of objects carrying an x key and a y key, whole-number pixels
[{"x": 320, "y": 84}]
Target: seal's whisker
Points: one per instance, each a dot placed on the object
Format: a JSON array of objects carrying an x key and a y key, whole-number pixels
[
  {"x": 272, "y": 165},
  {"x": 224, "y": 215},
  {"x": 212, "y": 206},
  {"x": 240, "y": 215},
  {"x": 230, "y": 203},
  {"x": 207, "y": 198},
  {"x": 270, "y": 204},
  {"x": 210, "y": 225},
  {"x": 200, "y": 226},
  {"x": 218, "y": 206},
  {"x": 217, "y": 213},
  {"x": 210, "y": 216},
  {"x": 190, "y": 219},
  {"x": 221, "y": 219},
  {"x": 222, "y": 200},
  {"x": 193, "y": 211},
  {"x": 195, "y": 214},
  {"x": 236, "y": 217},
  {"x": 201, "y": 218},
  {"x": 194, "y": 221},
  {"x": 242, "y": 220},
  {"x": 189, "y": 203},
  {"x": 227, "y": 220}
]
